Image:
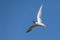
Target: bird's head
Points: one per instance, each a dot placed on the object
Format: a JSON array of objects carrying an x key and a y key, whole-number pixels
[{"x": 34, "y": 22}]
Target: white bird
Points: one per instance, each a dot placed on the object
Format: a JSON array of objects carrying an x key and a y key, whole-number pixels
[{"x": 39, "y": 21}]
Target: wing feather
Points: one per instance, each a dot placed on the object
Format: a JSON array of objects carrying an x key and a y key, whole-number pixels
[
  {"x": 31, "y": 28},
  {"x": 39, "y": 14}
]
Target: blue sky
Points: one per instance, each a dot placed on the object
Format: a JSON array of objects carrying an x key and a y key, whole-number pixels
[{"x": 16, "y": 17}]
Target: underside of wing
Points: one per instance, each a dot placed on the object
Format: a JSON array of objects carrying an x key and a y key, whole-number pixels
[
  {"x": 40, "y": 11},
  {"x": 39, "y": 20},
  {"x": 39, "y": 14},
  {"x": 31, "y": 28}
]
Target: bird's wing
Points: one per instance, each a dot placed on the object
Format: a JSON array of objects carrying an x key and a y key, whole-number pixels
[
  {"x": 31, "y": 28},
  {"x": 39, "y": 14}
]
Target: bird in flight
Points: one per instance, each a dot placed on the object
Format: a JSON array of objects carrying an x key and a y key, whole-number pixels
[{"x": 39, "y": 21}]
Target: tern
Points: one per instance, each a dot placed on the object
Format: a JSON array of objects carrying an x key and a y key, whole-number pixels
[{"x": 39, "y": 21}]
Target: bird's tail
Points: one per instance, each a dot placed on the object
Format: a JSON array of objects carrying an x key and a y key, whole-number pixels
[{"x": 44, "y": 27}]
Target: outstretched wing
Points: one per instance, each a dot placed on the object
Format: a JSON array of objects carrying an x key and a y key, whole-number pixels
[
  {"x": 31, "y": 28},
  {"x": 39, "y": 14}
]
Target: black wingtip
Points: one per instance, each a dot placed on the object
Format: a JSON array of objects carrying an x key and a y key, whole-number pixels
[{"x": 28, "y": 31}]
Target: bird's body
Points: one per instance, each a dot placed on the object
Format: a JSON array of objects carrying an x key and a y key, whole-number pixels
[{"x": 39, "y": 20}]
